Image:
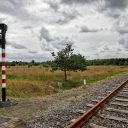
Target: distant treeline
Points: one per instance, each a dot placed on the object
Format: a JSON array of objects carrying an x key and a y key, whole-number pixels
[
  {"x": 113, "y": 61},
  {"x": 29, "y": 64}
]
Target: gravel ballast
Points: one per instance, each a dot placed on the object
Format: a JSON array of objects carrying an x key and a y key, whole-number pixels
[
  {"x": 59, "y": 115},
  {"x": 117, "y": 111}
]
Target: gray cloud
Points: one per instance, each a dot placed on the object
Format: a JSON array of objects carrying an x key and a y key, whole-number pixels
[
  {"x": 96, "y": 54},
  {"x": 86, "y": 29},
  {"x": 15, "y": 8},
  {"x": 103, "y": 4},
  {"x": 46, "y": 46},
  {"x": 22, "y": 11},
  {"x": 30, "y": 28},
  {"x": 69, "y": 2},
  {"x": 44, "y": 34},
  {"x": 57, "y": 43},
  {"x": 53, "y": 4},
  {"x": 116, "y": 4},
  {"x": 121, "y": 25},
  {"x": 106, "y": 48},
  {"x": 29, "y": 57},
  {"x": 61, "y": 42},
  {"x": 113, "y": 8},
  {"x": 116, "y": 14},
  {"x": 67, "y": 17},
  {"x": 119, "y": 50},
  {"x": 122, "y": 30},
  {"x": 27, "y": 27},
  {"x": 15, "y": 45},
  {"x": 50, "y": 43},
  {"x": 2, "y": 19},
  {"x": 124, "y": 42},
  {"x": 32, "y": 51}
]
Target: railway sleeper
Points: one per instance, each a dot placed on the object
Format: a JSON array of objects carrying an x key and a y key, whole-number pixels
[
  {"x": 117, "y": 110},
  {"x": 124, "y": 120},
  {"x": 80, "y": 111},
  {"x": 119, "y": 104},
  {"x": 90, "y": 105},
  {"x": 92, "y": 125},
  {"x": 123, "y": 93},
  {"x": 95, "y": 101},
  {"x": 121, "y": 99},
  {"x": 125, "y": 89},
  {"x": 73, "y": 120},
  {"x": 124, "y": 96}
]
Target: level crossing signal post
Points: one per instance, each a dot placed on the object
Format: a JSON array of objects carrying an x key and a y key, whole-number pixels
[{"x": 3, "y": 29}]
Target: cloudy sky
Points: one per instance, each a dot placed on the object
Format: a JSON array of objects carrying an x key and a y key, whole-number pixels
[{"x": 96, "y": 28}]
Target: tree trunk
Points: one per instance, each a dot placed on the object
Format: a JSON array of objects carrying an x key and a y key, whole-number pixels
[{"x": 65, "y": 75}]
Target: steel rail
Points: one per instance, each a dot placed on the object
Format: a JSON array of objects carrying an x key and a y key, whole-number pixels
[{"x": 88, "y": 114}]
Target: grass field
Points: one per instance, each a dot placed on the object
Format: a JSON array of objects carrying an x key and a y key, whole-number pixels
[{"x": 24, "y": 82}]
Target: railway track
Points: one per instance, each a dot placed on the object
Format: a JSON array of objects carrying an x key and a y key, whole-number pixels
[{"x": 109, "y": 111}]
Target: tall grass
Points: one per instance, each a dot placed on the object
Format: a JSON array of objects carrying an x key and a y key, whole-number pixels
[{"x": 37, "y": 81}]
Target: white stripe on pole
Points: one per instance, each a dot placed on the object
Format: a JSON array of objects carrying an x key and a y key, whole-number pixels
[
  {"x": 3, "y": 76},
  {"x": 3, "y": 68},
  {"x": 3, "y": 50},
  {"x": 3, "y": 85},
  {"x": 3, "y": 59}
]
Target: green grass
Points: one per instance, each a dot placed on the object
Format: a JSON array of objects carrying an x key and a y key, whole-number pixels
[
  {"x": 77, "y": 83},
  {"x": 68, "y": 85},
  {"x": 101, "y": 77}
]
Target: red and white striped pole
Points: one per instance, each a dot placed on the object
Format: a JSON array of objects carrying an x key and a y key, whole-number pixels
[
  {"x": 3, "y": 74},
  {"x": 3, "y": 28}
]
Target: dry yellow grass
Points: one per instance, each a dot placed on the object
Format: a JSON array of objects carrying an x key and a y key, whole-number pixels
[
  {"x": 34, "y": 81},
  {"x": 99, "y": 70}
]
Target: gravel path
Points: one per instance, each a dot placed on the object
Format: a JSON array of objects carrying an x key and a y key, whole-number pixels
[{"x": 59, "y": 115}]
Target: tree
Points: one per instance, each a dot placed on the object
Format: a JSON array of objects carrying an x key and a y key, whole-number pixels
[
  {"x": 33, "y": 62},
  {"x": 65, "y": 60}
]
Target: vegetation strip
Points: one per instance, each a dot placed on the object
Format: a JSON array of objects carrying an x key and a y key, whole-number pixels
[
  {"x": 24, "y": 82},
  {"x": 87, "y": 115}
]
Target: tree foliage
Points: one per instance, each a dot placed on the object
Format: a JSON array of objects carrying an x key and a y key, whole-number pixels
[{"x": 65, "y": 60}]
